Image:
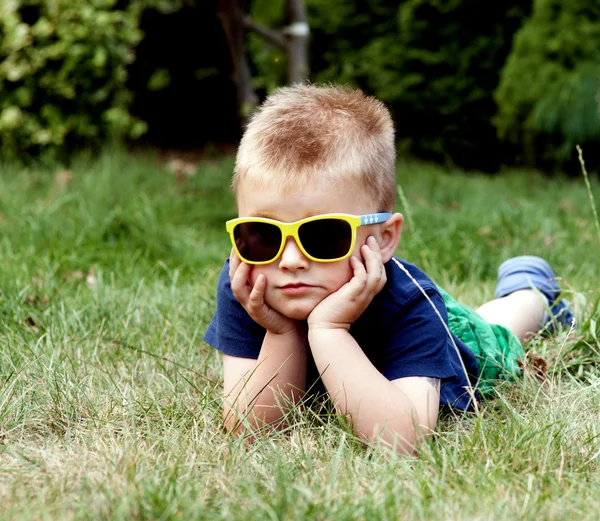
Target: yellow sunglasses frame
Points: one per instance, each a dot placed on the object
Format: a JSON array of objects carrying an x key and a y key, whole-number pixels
[{"x": 291, "y": 230}]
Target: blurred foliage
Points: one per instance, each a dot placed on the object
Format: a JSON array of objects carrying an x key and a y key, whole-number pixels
[
  {"x": 268, "y": 60},
  {"x": 547, "y": 93},
  {"x": 339, "y": 30},
  {"x": 435, "y": 63},
  {"x": 83, "y": 72},
  {"x": 63, "y": 72}
]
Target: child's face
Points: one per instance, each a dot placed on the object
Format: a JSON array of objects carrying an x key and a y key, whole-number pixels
[{"x": 296, "y": 284}]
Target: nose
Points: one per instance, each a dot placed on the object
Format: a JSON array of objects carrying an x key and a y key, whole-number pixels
[{"x": 292, "y": 258}]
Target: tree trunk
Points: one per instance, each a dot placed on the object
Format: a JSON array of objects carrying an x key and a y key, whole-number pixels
[
  {"x": 297, "y": 42},
  {"x": 293, "y": 38},
  {"x": 231, "y": 14}
]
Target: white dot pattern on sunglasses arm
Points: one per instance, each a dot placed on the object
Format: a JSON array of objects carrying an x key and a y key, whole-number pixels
[{"x": 374, "y": 218}]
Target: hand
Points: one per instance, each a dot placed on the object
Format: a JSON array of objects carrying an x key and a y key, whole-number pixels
[
  {"x": 252, "y": 299},
  {"x": 341, "y": 309}
]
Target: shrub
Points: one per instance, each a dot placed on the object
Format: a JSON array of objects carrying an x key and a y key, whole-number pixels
[
  {"x": 63, "y": 68},
  {"x": 435, "y": 63},
  {"x": 546, "y": 96}
]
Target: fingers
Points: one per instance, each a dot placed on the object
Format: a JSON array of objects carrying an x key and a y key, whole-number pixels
[
  {"x": 256, "y": 305},
  {"x": 360, "y": 278},
  {"x": 234, "y": 262},
  {"x": 256, "y": 300},
  {"x": 239, "y": 276},
  {"x": 368, "y": 278},
  {"x": 375, "y": 270},
  {"x": 252, "y": 298}
]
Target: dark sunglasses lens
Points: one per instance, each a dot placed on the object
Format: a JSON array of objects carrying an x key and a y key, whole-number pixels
[
  {"x": 257, "y": 242},
  {"x": 326, "y": 238}
]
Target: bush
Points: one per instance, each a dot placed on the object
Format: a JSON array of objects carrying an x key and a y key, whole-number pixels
[
  {"x": 435, "y": 63},
  {"x": 547, "y": 93},
  {"x": 268, "y": 61},
  {"x": 63, "y": 68},
  {"x": 339, "y": 31}
]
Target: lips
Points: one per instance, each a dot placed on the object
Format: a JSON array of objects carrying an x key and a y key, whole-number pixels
[{"x": 296, "y": 288}]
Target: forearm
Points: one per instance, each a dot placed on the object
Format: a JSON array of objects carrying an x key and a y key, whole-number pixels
[
  {"x": 376, "y": 408},
  {"x": 277, "y": 380}
]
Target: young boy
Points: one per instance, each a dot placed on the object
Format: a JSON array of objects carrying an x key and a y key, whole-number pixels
[{"x": 312, "y": 289}]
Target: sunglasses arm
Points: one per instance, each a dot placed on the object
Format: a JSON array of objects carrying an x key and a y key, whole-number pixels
[{"x": 374, "y": 218}]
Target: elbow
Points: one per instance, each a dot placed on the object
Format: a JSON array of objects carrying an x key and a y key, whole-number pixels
[
  {"x": 402, "y": 445},
  {"x": 236, "y": 421},
  {"x": 404, "y": 440},
  {"x": 232, "y": 420}
]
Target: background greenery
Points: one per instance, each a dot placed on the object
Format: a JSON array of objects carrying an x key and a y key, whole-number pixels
[
  {"x": 550, "y": 80},
  {"x": 63, "y": 70},
  {"x": 109, "y": 399},
  {"x": 434, "y": 63},
  {"x": 468, "y": 83}
]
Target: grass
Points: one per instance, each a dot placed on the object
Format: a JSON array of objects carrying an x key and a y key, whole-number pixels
[{"x": 109, "y": 399}]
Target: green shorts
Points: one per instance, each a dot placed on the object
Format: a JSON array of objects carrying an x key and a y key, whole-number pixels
[{"x": 496, "y": 348}]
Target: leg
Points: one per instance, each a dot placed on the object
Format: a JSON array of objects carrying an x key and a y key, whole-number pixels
[
  {"x": 522, "y": 312},
  {"x": 521, "y": 308}
]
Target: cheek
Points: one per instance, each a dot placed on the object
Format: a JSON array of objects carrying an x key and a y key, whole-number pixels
[
  {"x": 361, "y": 239},
  {"x": 339, "y": 275},
  {"x": 357, "y": 253},
  {"x": 256, "y": 271}
]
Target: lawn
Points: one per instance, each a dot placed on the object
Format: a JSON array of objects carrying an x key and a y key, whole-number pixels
[{"x": 109, "y": 398}]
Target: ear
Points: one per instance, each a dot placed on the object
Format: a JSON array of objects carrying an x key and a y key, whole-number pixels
[{"x": 390, "y": 236}]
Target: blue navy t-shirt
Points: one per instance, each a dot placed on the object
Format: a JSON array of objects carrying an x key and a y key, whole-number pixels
[{"x": 399, "y": 332}]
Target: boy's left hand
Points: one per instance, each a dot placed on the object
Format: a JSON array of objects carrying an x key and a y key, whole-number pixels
[{"x": 341, "y": 309}]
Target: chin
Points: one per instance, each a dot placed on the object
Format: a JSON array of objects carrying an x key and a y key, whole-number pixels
[
  {"x": 299, "y": 314},
  {"x": 298, "y": 310}
]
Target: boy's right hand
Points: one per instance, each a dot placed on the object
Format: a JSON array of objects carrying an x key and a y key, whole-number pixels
[{"x": 252, "y": 299}]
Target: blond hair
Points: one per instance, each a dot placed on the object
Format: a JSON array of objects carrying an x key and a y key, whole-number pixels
[{"x": 306, "y": 133}]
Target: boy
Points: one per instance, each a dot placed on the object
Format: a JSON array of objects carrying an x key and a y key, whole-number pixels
[{"x": 312, "y": 289}]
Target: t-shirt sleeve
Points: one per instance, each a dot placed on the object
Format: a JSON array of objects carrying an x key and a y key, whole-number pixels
[
  {"x": 231, "y": 329},
  {"x": 418, "y": 343}
]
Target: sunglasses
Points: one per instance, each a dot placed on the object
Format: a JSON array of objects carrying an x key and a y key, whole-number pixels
[{"x": 321, "y": 238}]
